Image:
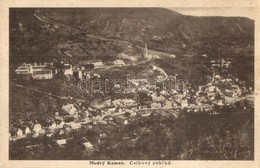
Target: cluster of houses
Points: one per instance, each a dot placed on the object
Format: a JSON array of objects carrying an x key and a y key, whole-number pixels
[
  {"x": 73, "y": 117},
  {"x": 219, "y": 92},
  {"x": 25, "y": 129}
]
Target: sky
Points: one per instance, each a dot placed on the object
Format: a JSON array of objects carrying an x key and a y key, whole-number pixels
[{"x": 243, "y": 12}]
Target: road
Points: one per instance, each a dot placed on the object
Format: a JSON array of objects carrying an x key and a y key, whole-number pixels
[{"x": 48, "y": 93}]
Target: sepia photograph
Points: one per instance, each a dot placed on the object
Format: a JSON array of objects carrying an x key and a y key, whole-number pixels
[{"x": 131, "y": 83}]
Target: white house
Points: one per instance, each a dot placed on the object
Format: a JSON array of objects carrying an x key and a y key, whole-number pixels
[
  {"x": 68, "y": 69},
  {"x": 61, "y": 142},
  {"x": 27, "y": 130},
  {"x": 119, "y": 63},
  {"x": 88, "y": 145},
  {"x": 19, "y": 132},
  {"x": 98, "y": 64},
  {"x": 184, "y": 103},
  {"x": 37, "y": 129},
  {"x": 69, "y": 108}
]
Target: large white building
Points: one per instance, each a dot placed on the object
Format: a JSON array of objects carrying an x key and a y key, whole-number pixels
[
  {"x": 42, "y": 74},
  {"x": 38, "y": 71}
]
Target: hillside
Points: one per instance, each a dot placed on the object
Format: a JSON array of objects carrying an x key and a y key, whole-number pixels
[{"x": 103, "y": 33}]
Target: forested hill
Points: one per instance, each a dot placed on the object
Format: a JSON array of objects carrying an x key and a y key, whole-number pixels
[{"x": 41, "y": 32}]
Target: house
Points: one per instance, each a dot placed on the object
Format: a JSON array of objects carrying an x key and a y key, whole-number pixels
[
  {"x": 204, "y": 55},
  {"x": 80, "y": 74},
  {"x": 88, "y": 145},
  {"x": 188, "y": 55},
  {"x": 125, "y": 122},
  {"x": 96, "y": 76},
  {"x": 216, "y": 65},
  {"x": 37, "y": 129},
  {"x": 75, "y": 125},
  {"x": 69, "y": 108},
  {"x": 27, "y": 130},
  {"x": 210, "y": 88},
  {"x": 157, "y": 98},
  {"x": 117, "y": 102},
  {"x": 152, "y": 56},
  {"x": 96, "y": 119},
  {"x": 67, "y": 69},
  {"x": 121, "y": 119},
  {"x": 60, "y": 125},
  {"x": 168, "y": 104},
  {"x": 24, "y": 69},
  {"x": 229, "y": 93},
  {"x": 42, "y": 74},
  {"x": 184, "y": 103},
  {"x": 220, "y": 102},
  {"x": 19, "y": 132},
  {"x": 156, "y": 105},
  {"x": 129, "y": 103},
  {"x": 110, "y": 110},
  {"x": 128, "y": 57},
  {"x": 226, "y": 80},
  {"x": 164, "y": 93},
  {"x": 217, "y": 77},
  {"x": 53, "y": 126},
  {"x": 172, "y": 56},
  {"x": 119, "y": 63},
  {"x": 61, "y": 142},
  {"x": 98, "y": 64}
]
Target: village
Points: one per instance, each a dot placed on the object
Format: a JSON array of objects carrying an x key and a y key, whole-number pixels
[{"x": 75, "y": 118}]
